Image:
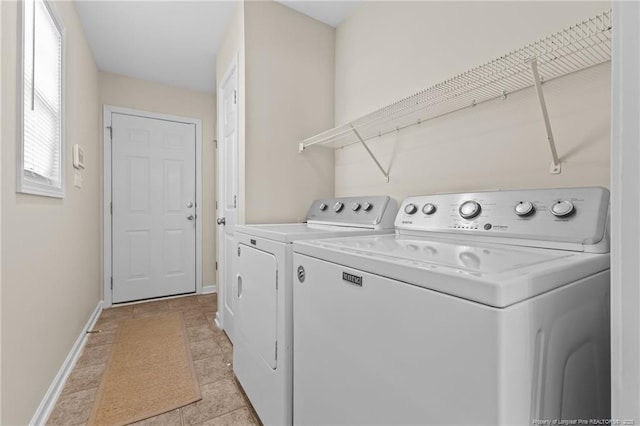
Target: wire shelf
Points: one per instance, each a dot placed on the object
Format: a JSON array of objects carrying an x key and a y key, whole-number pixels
[{"x": 573, "y": 49}]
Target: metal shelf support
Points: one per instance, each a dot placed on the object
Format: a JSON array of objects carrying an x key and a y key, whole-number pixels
[
  {"x": 384, "y": 172},
  {"x": 556, "y": 167}
]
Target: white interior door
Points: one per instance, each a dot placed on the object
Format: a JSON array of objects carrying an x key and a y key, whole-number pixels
[
  {"x": 153, "y": 195},
  {"x": 228, "y": 213}
]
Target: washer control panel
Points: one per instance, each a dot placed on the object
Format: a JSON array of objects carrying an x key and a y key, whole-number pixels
[
  {"x": 565, "y": 215},
  {"x": 370, "y": 212}
]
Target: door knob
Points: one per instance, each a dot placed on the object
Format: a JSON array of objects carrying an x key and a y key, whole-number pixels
[
  {"x": 189, "y": 204},
  {"x": 220, "y": 221},
  {"x": 190, "y": 217}
]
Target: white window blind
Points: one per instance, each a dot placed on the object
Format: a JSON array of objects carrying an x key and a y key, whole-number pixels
[{"x": 42, "y": 101}]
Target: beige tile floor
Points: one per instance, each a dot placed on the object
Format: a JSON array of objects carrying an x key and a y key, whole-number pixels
[{"x": 223, "y": 402}]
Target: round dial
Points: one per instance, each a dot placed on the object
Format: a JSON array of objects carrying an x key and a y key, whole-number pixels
[
  {"x": 322, "y": 206},
  {"x": 524, "y": 208},
  {"x": 470, "y": 209},
  {"x": 367, "y": 207},
  {"x": 563, "y": 208},
  {"x": 410, "y": 208},
  {"x": 337, "y": 207},
  {"x": 355, "y": 207},
  {"x": 429, "y": 208}
]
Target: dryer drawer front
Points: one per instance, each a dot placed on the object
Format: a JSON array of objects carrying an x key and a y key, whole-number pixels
[
  {"x": 257, "y": 303},
  {"x": 370, "y": 350}
]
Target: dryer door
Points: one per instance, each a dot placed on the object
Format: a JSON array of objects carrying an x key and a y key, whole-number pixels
[{"x": 256, "y": 307}]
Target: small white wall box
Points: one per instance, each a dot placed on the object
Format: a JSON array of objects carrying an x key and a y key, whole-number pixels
[{"x": 78, "y": 157}]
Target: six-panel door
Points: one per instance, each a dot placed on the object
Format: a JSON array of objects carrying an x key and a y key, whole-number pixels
[{"x": 153, "y": 193}]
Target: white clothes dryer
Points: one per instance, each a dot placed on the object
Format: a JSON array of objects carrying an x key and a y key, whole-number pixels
[
  {"x": 262, "y": 352},
  {"x": 484, "y": 308}
]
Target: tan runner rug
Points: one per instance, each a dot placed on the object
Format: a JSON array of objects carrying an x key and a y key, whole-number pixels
[{"x": 149, "y": 372}]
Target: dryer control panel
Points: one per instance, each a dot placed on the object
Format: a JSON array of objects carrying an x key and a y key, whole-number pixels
[
  {"x": 565, "y": 218},
  {"x": 375, "y": 212}
]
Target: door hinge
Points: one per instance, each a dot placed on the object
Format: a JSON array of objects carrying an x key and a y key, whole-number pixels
[
  {"x": 111, "y": 207},
  {"x": 276, "y": 350},
  {"x": 111, "y": 283},
  {"x": 216, "y": 266},
  {"x": 235, "y": 97},
  {"x": 235, "y": 201},
  {"x": 216, "y": 205},
  {"x": 215, "y": 143},
  {"x": 110, "y": 132}
]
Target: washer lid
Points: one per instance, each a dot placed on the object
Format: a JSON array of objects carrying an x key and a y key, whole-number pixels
[
  {"x": 494, "y": 274},
  {"x": 289, "y": 232}
]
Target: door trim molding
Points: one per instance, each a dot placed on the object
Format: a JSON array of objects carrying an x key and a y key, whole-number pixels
[{"x": 106, "y": 191}]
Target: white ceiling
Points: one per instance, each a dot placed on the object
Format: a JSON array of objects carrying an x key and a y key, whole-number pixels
[
  {"x": 174, "y": 42},
  {"x": 328, "y": 11}
]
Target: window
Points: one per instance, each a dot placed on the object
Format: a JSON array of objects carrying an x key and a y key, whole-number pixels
[{"x": 40, "y": 154}]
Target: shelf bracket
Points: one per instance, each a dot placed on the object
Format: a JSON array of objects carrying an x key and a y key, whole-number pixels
[
  {"x": 555, "y": 167},
  {"x": 384, "y": 172}
]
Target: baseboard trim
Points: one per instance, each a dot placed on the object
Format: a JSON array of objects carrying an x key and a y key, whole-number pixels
[
  {"x": 208, "y": 289},
  {"x": 49, "y": 401}
]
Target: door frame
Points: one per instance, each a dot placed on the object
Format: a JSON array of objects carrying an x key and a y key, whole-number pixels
[
  {"x": 625, "y": 232},
  {"x": 106, "y": 192}
]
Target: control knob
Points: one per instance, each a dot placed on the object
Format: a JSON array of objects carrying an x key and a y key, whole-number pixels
[
  {"x": 355, "y": 207},
  {"x": 337, "y": 207},
  {"x": 524, "y": 208},
  {"x": 410, "y": 208},
  {"x": 322, "y": 206},
  {"x": 470, "y": 209},
  {"x": 429, "y": 208},
  {"x": 367, "y": 207},
  {"x": 563, "y": 208}
]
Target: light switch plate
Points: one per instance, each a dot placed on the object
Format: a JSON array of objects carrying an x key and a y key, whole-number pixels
[
  {"x": 78, "y": 157},
  {"x": 77, "y": 178}
]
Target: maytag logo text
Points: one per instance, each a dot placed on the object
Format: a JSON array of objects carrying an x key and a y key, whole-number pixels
[{"x": 353, "y": 279}]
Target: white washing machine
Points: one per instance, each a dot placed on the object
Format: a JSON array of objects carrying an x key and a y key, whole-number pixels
[
  {"x": 483, "y": 309},
  {"x": 262, "y": 352}
]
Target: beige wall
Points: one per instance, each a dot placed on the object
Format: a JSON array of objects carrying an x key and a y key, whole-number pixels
[
  {"x": 289, "y": 87},
  {"x": 388, "y": 50},
  {"x": 286, "y": 94},
  {"x": 118, "y": 90},
  {"x": 50, "y": 247}
]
